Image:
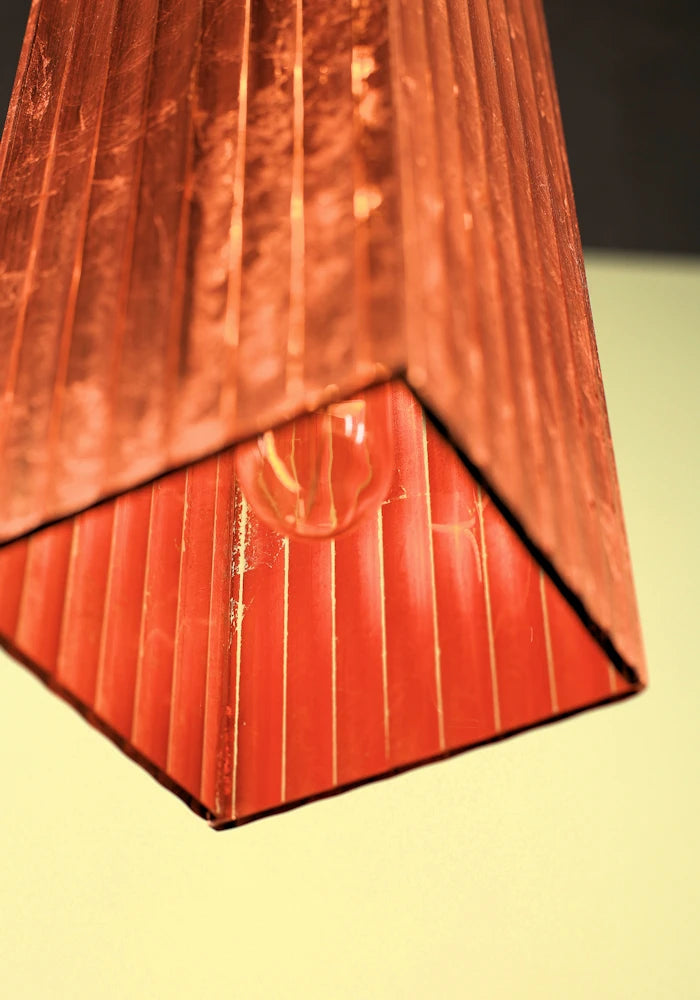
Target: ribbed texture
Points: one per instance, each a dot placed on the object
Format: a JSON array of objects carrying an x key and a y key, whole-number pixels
[
  {"x": 215, "y": 214},
  {"x": 510, "y": 364},
  {"x": 183, "y": 262},
  {"x": 250, "y": 672}
]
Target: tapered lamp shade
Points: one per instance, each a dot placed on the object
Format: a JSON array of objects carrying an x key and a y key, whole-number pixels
[{"x": 305, "y": 469}]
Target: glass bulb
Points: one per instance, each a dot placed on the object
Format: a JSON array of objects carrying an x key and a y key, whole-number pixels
[{"x": 319, "y": 475}]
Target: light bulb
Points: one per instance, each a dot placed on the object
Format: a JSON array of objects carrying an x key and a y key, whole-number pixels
[{"x": 320, "y": 474}]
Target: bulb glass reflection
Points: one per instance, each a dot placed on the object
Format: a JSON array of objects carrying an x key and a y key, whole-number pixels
[{"x": 319, "y": 475}]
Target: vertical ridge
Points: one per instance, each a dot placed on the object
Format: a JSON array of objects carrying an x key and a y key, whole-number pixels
[
  {"x": 551, "y": 672},
  {"x": 223, "y": 742},
  {"x": 77, "y": 660},
  {"x": 70, "y": 583},
  {"x": 13, "y": 582},
  {"x": 297, "y": 304},
  {"x": 22, "y": 595},
  {"x": 9, "y": 130},
  {"x": 332, "y": 330},
  {"x": 142, "y": 390},
  {"x": 178, "y": 625},
  {"x": 99, "y": 675},
  {"x": 406, "y": 183},
  {"x": 413, "y": 688},
  {"x": 232, "y": 320},
  {"x": 382, "y": 597},
  {"x": 42, "y": 581},
  {"x": 285, "y": 665},
  {"x": 121, "y": 611},
  {"x": 188, "y": 699},
  {"x": 363, "y": 63},
  {"x": 377, "y": 190},
  {"x": 151, "y": 724},
  {"x": 433, "y": 588},
  {"x": 208, "y": 329},
  {"x": 86, "y": 403},
  {"x": 423, "y": 205},
  {"x": 489, "y": 613},
  {"x": 503, "y": 436},
  {"x": 510, "y": 425},
  {"x": 210, "y": 652},
  {"x": 261, "y": 390},
  {"x": 465, "y": 323},
  {"x": 142, "y": 624},
  {"x": 33, "y": 248},
  {"x": 176, "y": 343},
  {"x": 334, "y": 668},
  {"x": 67, "y": 327},
  {"x": 127, "y": 261},
  {"x": 241, "y": 569}
]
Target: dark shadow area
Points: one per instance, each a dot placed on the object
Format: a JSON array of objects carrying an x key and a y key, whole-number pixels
[
  {"x": 628, "y": 75},
  {"x": 13, "y": 20}
]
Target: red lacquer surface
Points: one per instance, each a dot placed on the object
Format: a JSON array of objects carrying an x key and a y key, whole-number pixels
[{"x": 250, "y": 671}]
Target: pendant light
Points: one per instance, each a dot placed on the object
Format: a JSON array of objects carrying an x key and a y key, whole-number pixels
[{"x": 306, "y": 475}]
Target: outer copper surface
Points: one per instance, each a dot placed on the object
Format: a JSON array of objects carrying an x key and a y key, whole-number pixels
[
  {"x": 250, "y": 672},
  {"x": 217, "y": 214}
]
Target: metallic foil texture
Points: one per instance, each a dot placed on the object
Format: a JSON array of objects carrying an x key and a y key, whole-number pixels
[{"x": 217, "y": 214}]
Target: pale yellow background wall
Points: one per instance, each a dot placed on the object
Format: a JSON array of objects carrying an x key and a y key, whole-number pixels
[{"x": 563, "y": 863}]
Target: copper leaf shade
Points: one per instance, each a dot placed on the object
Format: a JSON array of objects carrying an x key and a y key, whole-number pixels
[{"x": 215, "y": 216}]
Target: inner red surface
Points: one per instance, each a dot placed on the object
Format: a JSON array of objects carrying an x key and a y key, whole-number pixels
[{"x": 249, "y": 671}]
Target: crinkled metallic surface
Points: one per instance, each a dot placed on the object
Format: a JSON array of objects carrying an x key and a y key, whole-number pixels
[
  {"x": 196, "y": 196},
  {"x": 217, "y": 213}
]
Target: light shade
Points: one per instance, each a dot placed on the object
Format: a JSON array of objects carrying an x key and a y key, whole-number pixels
[{"x": 215, "y": 216}]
